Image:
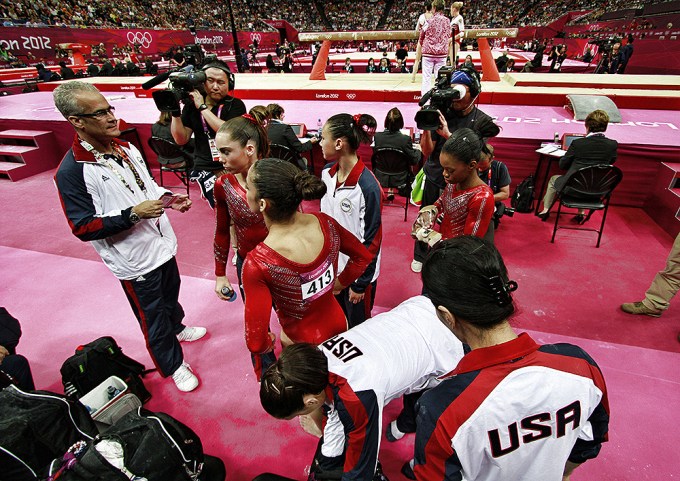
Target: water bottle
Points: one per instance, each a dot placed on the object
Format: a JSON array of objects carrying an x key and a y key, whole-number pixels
[
  {"x": 319, "y": 127},
  {"x": 556, "y": 139},
  {"x": 230, "y": 294}
]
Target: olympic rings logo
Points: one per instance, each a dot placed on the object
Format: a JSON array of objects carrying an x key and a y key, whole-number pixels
[
  {"x": 351, "y": 96},
  {"x": 255, "y": 37},
  {"x": 140, "y": 38}
]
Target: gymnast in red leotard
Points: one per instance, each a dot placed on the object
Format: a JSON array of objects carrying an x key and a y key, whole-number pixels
[
  {"x": 295, "y": 267},
  {"x": 240, "y": 141}
]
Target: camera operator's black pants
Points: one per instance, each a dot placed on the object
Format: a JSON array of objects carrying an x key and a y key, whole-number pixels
[{"x": 431, "y": 193}]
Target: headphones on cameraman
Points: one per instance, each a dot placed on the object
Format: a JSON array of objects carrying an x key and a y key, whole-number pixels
[
  {"x": 475, "y": 81},
  {"x": 218, "y": 64}
]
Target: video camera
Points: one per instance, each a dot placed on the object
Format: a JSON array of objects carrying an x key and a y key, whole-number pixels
[
  {"x": 440, "y": 98},
  {"x": 182, "y": 81},
  {"x": 605, "y": 44}
]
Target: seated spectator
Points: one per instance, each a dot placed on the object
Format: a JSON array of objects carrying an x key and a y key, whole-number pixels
[
  {"x": 107, "y": 69},
  {"x": 593, "y": 149},
  {"x": 370, "y": 67},
  {"x": 348, "y": 66},
  {"x": 392, "y": 138},
  {"x": 402, "y": 67},
  {"x": 161, "y": 129},
  {"x": 468, "y": 62},
  {"x": 150, "y": 67},
  {"x": 65, "y": 72},
  {"x": 92, "y": 68},
  {"x": 384, "y": 66},
  {"x": 14, "y": 368},
  {"x": 495, "y": 174},
  {"x": 119, "y": 69},
  {"x": 131, "y": 67},
  {"x": 44, "y": 74},
  {"x": 281, "y": 133},
  {"x": 511, "y": 65}
]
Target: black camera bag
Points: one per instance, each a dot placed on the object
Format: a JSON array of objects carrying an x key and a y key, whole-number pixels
[
  {"x": 523, "y": 195},
  {"x": 155, "y": 446},
  {"x": 36, "y": 427},
  {"x": 96, "y": 361}
]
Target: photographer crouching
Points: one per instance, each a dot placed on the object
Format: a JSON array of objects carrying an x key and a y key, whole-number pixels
[
  {"x": 495, "y": 174},
  {"x": 206, "y": 108},
  {"x": 452, "y": 107}
]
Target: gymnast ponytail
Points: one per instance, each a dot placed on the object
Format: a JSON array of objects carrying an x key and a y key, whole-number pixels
[
  {"x": 285, "y": 186},
  {"x": 357, "y": 129},
  {"x": 244, "y": 128}
]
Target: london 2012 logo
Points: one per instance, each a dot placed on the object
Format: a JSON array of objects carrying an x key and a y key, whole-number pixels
[{"x": 140, "y": 38}]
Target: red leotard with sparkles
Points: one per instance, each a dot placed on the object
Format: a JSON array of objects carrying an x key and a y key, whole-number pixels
[
  {"x": 302, "y": 293},
  {"x": 466, "y": 212},
  {"x": 231, "y": 204}
]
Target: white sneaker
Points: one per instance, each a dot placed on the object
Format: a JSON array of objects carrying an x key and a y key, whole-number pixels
[
  {"x": 393, "y": 434},
  {"x": 416, "y": 266},
  {"x": 190, "y": 334},
  {"x": 184, "y": 378}
]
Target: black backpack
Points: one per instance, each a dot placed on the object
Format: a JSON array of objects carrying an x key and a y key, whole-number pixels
[
  {"x": 36, "y": 427},
  {"x": 523, "y": 196},
  {"x": 155, "y": 446},
  {"x": 95, "y": 362}
]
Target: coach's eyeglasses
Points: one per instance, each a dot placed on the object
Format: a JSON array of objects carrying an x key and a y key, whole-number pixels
[{"x": 99, "y": 114}]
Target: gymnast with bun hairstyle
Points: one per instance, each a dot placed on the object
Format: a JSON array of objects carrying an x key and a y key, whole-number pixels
[
  {"x": 296, "y": 267},
  {"x": 354, "y": 199}
]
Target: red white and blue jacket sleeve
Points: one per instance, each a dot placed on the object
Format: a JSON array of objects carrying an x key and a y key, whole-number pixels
[
  {"x": 372, "y": 226},
  {"x": 79, "y": 204}
]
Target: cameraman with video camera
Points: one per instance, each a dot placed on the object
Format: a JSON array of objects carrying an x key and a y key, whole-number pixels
[
  {"x": 209, "y": 105},
  {"x": 452, "y": 107}
]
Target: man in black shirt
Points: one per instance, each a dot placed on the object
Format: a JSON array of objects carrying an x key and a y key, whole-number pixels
[
  {"x": 495, "y": 174},
  {"x": 211, "y": 107},
  {"x": 462, "y": 113}
]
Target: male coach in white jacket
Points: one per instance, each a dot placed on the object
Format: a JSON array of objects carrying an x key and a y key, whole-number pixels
[{"x": 111, "y": 200}]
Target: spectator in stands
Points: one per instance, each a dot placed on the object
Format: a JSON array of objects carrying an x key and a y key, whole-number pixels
[
  {"x": 435, "y": 37},
  {"x": 44, "y": 74},
  {"x": 107, "y": 69},
  {"x": 626, "y": 54},
  {"x": 468, "y": 62},
  {"x": 110, "y": 199},
  {"x": 14, "y": 368},
  {"x": 65, "y": 72},
  {"x": 209, "y": 108},
  {"x": 384, "y": 66},
  {"x": 348, "y": 66},
  {"x": 282, "y": 134},
  {"x": 370, "y": 66},
  {"x": 92, "y": 68},
  {"x": 593, "y": 149},
  {"x": 462, "y": 113},
  {"x": 495, "y": 174}
]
